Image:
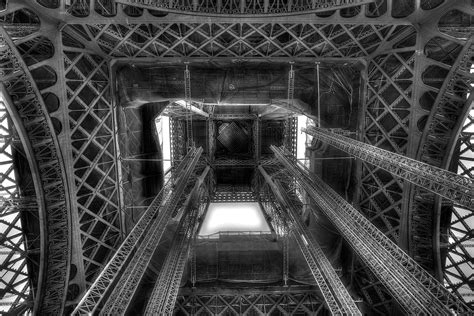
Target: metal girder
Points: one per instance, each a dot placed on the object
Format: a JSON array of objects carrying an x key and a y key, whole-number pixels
[
  {"x": 165, "y": 291},
  {"x": 237, "y": 40},
  {"x": 436, "y": 180},
  {"x": 415, "y": 289},
  {"x": 45, "y": 158},
  {"x": 290, "y": 134},
  {"x": 450, "y": 102},
  {"x": 459, "y": 242},
  {"x": 121, "y": 296},
  {"x": 291, "y": 300},
  {"x": 244, "y": 8},
  {"x": 179, "y": 109},
  {"x": 438, "y": 147},
  {"x": 335, "y": 294},
  {"x": 188, "y": 106},
  {"x": 235, "y": 163},
  {"x": 154, "y": 219},
  {"x": 178, "y": 141},
  {"x": 15, "y": 249},
  {"x": 256, "y": 137},
  {"x": 92, "y": 130},
  {"x": 233, "y": 195}
]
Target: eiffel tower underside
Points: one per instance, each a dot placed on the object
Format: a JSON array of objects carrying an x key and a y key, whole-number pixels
[{"x": 83, "y": 83}]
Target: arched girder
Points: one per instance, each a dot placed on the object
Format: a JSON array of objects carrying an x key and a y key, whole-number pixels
[
  {"x": 46, "y": 153},
  {"x": 439, "y": 140},
  {"x": 244, "y": 8}
]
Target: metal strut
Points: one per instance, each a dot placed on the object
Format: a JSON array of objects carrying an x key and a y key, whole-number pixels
[
  {"x": 123, "y": 293},
  {"x": 414, "y": 288},
  {"x": 442, "y": 182},
  {"x": 147, "y": 231},
  {"x": 335, "y": 294},
  {"x": 165, "y": 291},
  {"x": 189, "y": 113}
]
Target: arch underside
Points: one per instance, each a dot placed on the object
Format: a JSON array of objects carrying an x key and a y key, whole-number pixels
[{"x": 415, "y": 103}]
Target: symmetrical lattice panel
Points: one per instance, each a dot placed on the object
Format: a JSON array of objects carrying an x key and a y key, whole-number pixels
[
  {"x": 253, "y": 7},
  {"x": 388, "y": 101},
  {"x": 233, "y": 39},
  {"x": 95, "y": 170},
  {"x": 255, "y": 302}
]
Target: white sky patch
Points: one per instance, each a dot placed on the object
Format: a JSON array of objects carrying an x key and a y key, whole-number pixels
[
  {"x": 163, "y": 128},
  {"x": 233, "y": 217},
  {"x": 303, "y": 140}
]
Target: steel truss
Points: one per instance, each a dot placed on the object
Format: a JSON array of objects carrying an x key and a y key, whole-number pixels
[
  {"x": 414, "y": 289},
  {"x": 439, "y": 146},
  {"x": 459, "y": 245},
  {"x": 247, "y": 40},
  {"x": 244, "y": 8},
  {"x": 37, "y": 133},
  {"x": 90, "y": 134},
  {"x": 121, "y": 297},
  {"x": 292, "y": 300},
  {"x": 337, "y": 298},
  {"x": 95, "y": 32},
  {"x": 447, "y": 184},
  {"x": 16, "y": 248},
  {"x": 151, "y": 225},
  {"x": 165, "y": 291}
]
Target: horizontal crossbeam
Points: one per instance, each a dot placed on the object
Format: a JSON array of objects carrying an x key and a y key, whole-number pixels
[{"x": 245, "y": 8}]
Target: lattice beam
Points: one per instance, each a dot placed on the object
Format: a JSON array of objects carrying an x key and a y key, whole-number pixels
[
  {"x": 245, "y": 8},
  {"x": 165, "y": 291},
  {"x": 292, "y": 300},
  {"x": 335, "y": 294},
  {"x": 154, "y": 219},
  {"x": 439, "y": 181},
  {"x": 46, "y": 159},
  {"x": 415, "y": 289}
]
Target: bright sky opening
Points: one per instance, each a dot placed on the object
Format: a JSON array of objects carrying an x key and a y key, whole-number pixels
[{"x": 233, "y": 217}]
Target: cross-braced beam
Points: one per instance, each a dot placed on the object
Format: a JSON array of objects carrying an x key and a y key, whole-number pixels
[
  {"x": 122, "y": 295},
  {"x": 153, "y": 220},
  {"x": 335, "y": 294},
  {"x": 245, "y": 8},
  {"x": 165, "y": 291},
  {"x": 414, "y": 289},
  {"x": 447, "y": 184}
]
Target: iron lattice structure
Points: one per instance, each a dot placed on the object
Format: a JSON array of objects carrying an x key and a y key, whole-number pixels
[
  {"x": 293, "y": 301},
  {"x": 56, "y": 67}
]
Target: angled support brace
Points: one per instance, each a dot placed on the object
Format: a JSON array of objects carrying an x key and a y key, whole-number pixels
[
  {"x": 414, "y": 288},
  {"x": 335, "y": 294},
  {"x": 442, "y": 182},
  {"x": 150, "y": 225}
]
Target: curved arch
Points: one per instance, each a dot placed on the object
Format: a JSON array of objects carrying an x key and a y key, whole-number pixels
[
  {"x": 255, "y": 8},
  {"x": 45, "y": 151},
  {"x": 443, "y": 126}
]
